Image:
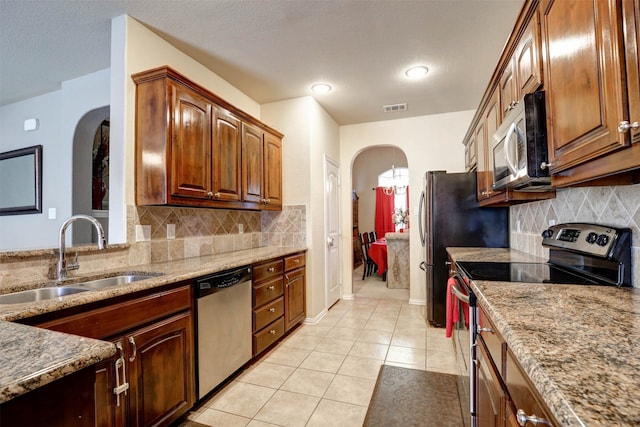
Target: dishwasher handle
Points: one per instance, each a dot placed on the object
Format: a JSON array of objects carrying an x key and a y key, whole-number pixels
[{"x": 217, "y": 282}]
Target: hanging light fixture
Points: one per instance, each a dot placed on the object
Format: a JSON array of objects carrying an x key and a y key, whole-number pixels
[{"x": 397, "y": 185}]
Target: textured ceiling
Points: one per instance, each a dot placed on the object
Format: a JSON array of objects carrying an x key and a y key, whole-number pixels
[{"x": 274, "y": 49}]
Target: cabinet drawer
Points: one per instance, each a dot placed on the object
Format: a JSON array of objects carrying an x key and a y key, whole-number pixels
[
  {"x": 116, "y": 318},
  {"x": 492, "y": 339},
  {"x": 268, "y": 336},
  {"x": 522, "y": 393},
  {"x": 266, "y": 270},
  {"x": 267, "y": 313},
  {"x": 267, "y": 291},
  {"x": 294, "y": 261}
]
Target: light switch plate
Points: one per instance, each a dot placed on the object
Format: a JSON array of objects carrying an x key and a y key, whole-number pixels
[{"x": 52, "y": 213}]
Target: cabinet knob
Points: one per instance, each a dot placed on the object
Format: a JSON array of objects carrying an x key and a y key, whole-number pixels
[
  {"x": 271, "y": 269},
  {"x": 271, "y": 288},
  {"x": 545, "y": 165},
  {"x": 523, "y": 419},
  {"x": 210, "y": 194},
  {"x": 624, "y": 126},
  {"x": 272, "y": 332},
  {"x": 217, "y": 195},
  {"x": 481, "y": 330},
  {"x": 272, "y": 310}
]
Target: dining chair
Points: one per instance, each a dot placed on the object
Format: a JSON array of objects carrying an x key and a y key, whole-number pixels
[{"x": 368, "y": 263}]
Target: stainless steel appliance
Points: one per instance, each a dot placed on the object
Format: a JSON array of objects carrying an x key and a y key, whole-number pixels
[
  {"x": 579, "y": 254},
  {"x": 450, "y": 216},
  {"x": 519, "y": 153},
  {"x": 223, "y": 326}
]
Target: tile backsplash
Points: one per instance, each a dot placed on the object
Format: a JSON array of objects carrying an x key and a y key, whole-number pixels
[
  {"x": 168, "y": 233},
  {"x": 617, "y": 206}
]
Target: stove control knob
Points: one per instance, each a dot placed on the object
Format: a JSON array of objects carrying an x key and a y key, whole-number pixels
[
  {"x": 603, "y": 239},
  {"x": 547, "y": 233},
  {"x": 592, "y": 237}
]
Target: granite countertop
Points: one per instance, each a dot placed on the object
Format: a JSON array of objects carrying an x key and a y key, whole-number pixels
[
  {"x": 31, "y": 357},
  {"x": 579, "y": 345}
]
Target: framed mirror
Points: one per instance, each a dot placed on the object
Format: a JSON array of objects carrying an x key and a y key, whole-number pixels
[{"x": 21, "y": 181}]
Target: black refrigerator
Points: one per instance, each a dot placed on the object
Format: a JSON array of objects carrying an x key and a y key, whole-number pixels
[{"x": 450, "y": 216}]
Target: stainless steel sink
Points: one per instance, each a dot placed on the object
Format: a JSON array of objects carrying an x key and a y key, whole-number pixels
[
  {"x": 40, "y": 294},
  {"x": 107, "y": 282}
]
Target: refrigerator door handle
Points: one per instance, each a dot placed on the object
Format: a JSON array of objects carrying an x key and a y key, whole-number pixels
[{"x": 421, "y": 224}]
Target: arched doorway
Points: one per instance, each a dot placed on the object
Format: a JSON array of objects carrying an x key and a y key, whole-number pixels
[{"x": 91, "y": 173}]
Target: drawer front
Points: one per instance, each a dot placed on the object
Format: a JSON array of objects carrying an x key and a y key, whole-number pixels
[
  {"x": 268, "y": 336},
  {"x": 114, "y": 319},
  {"x": 492, "y": 339},
  {"x": 267, "y": 291},
  {"x": 522, "y": 393},
  {"x": 294, "y": 261},
  {"x": 267, "y": 270},
  {"x": 268, "y": 313}
]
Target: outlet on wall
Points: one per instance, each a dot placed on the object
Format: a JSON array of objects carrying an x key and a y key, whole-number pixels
[
  {"x": 240, "y": 228},
  {"x": 171, "y": 231},
  {"x": 143, "y": 233}
]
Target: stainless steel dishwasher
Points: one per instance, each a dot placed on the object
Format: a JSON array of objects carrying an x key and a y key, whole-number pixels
[{"x": 223, "y": 328}]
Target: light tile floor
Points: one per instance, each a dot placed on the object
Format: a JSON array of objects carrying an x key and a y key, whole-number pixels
[{"x": 323, "y": 374}]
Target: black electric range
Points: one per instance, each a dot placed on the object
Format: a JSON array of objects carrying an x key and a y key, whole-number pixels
[{"x": 579, "y": 253}]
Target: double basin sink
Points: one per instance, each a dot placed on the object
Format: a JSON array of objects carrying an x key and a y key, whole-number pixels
[{"x": 53, "y": 292}]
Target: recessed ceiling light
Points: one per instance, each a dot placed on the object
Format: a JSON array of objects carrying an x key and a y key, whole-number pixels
[
  {"x": 417, "y": 71},
  {"x": 321, "y": 88}
]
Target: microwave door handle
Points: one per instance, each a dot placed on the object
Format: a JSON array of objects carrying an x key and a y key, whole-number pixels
[{"x": 507, "y": 145}]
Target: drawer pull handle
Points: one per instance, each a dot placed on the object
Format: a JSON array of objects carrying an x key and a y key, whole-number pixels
[
  {"x": 273, "y": 310},
  {"x": 271, "y": 288},
  {"x": 481, "y": 330},
  {"x": 272, "y": 332},
  {"x": 271, "y": 269},
  {"x": 523, "y": 419},
  {"x": 135, "y": 349},
  {"x": 625, "y": 126},
  {"x": 296, "y": 260}
]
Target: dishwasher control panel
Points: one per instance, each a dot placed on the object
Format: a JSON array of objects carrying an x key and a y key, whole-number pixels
[{"x": 219, "y": 281}]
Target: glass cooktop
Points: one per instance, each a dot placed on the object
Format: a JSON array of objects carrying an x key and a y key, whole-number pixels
[{"x": 523, "y": 272}]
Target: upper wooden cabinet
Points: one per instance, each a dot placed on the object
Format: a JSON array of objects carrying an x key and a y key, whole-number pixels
[
  {"x": 195, "y": 149},
  {"x": 590, "y": 62}
]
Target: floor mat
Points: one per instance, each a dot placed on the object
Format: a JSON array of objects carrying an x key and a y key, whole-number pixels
[{"x": 410, "y": 397}]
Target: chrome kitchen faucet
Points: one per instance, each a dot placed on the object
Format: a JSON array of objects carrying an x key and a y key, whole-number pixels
[{"x": 62, "y": 262}]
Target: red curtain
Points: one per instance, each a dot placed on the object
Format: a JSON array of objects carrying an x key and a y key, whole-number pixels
[{"x": 384, "y": 213}]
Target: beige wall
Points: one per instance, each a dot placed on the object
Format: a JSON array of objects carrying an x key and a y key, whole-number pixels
[
  {"x": 429, "y": 142},
  {"x": 310, "y": 134},
  {"x": 364, "y": 176}
]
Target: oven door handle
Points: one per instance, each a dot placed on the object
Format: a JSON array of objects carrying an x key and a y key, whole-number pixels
[{"x": 462, "y": 297}]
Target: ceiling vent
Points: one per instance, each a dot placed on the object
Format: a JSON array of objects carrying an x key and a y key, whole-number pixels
[{"x": 394, "y": 107}]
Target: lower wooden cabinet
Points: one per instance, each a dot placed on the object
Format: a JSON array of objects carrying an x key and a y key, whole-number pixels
[
  {"x": 67, "y": 402},
  {"x": 151, "y": 379},
  {"x": 278, "y": 299},
  {"x": 492, "y": 399}
]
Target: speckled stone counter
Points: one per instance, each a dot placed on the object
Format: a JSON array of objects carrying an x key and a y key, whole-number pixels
[
  {"x": 398, "y": 260},
  {"x": 580, "y": 345},
  {"x": 31, "y": 357}
]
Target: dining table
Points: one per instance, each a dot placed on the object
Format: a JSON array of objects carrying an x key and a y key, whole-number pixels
[{"x": 378, "y": 254}]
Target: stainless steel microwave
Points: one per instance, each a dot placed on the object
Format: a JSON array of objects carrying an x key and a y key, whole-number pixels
[{"x": 519, "y": 154}]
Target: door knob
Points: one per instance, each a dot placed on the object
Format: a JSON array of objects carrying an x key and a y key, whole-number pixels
[{"x": 329, "y": 241}]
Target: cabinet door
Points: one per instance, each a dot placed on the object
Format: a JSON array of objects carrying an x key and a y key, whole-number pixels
[
  {"x": 631, "y": 17},
  {"x": 111, "y": 410},
  {"x": 527, "y": 61},
  {"x": 482, "y": 170},
  {"x": 190, "y": 155},
  {"x": 272, "y": 170},
  {"x": 227, "y": 147},
  {"x": 484, "y": 137},
  {"x": 294, "y": 295},
  {"x": 583, "y": 77},
  {"x": 161, "y": 366},
  {"x": 508, "y": 90},
  {"x": 252, "y": 164},
  {"x": 491, "y": 397}
]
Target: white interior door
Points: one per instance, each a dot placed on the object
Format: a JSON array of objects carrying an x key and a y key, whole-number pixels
[{"x": 332, "y": 231}]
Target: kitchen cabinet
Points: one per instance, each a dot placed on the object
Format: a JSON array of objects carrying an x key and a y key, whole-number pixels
[
  {"x": 592, "y": 89},
  {"x": 523, "y": 72},
  {"x": 151, "y": 380},
  {"x": 261, "y": 167},
  {"x": 294, "y": 290},
  {"x": 66, "y": 402},
  {"x": 268, "y": 304},
  {"x": 195, "y": 149},
  {"x": 504, "y": 391},
  {"x": 278, "y": 299}
]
